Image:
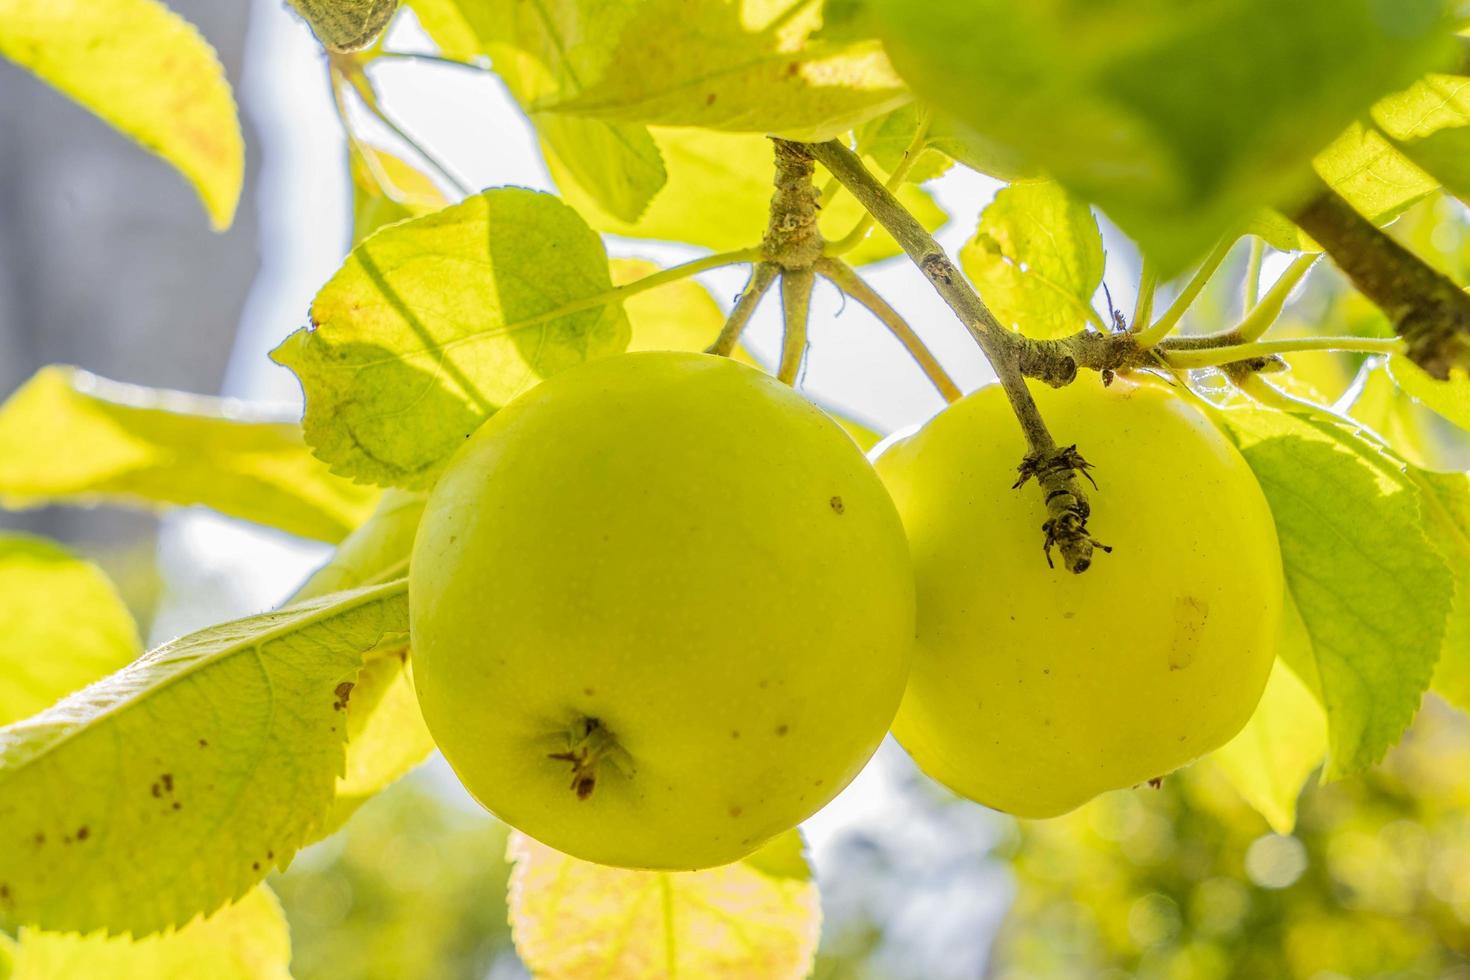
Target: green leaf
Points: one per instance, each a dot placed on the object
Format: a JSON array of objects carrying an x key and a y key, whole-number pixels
[
  {"x": 734, "y": 65},
  {"x": 188, "y": 774},
  {"x": 146, "y": 71},
  {"x": 1447, "y": 511},
  {"x": 1430, "y": 124},
  {"x": 386, "y": 734},
  {"x": 1372, "y": 591},
  {"x": 70, "y": 437},
  {"x": 248, "y": 940},
  {"x": 62, "y": 625},
  {"x": 718, "y": 196},
  {"x": 386, "y": 189},
  {"x": 433, "y": 324},
  {"x": 1036, "y": 259},
  {"x": 756, "y": 918},
  {"x": 1383, "y": 407},
  {"x": 1285, "y": 740},
  {"x": 537, "y": 51},
  {"x": 346, "y": 25},
  {"x": 1450, "y": 399},
  {"x": 1362, "y": 166},
  {"x": 1179, "y": 120},
  {"x": 886, "y": 141}
]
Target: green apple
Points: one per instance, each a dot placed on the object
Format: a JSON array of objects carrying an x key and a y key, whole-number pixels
[
  {"x": 662, "y": 610},
  {"x": 1034, "y": 689}
]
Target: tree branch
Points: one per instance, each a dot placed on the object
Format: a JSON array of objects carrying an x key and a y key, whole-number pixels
[
  {"x": 1427, "y": 308},
  {"x": 1055, "y": 468}
]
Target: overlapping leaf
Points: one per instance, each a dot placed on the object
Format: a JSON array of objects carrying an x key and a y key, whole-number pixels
[
  {"x": 433, "y": 324},
  {"x": 736, "y": 65},
  {"x": 1283, "y": 743},
  {"x": 756, "y": 918},
  {"x": 718, "y": 195},
  {"x": 62, "y": 625},
  {"x": 1036, "y": 259},
  {"x": 248, "y": 940},
  {"x": 386, "y": 189},
  {"x": 543, "y": 52},
  {"x": 146, "y": 71},
  {"x": 174, "y": 785},
  {"x": 1372, "y": 591},
  {"x": 346, "y": 25},
  {"x": 70, "y": 437},
  {"x": 1177, "y": 119}
]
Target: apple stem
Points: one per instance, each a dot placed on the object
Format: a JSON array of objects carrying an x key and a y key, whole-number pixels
[{"x": 796, "y": 299}]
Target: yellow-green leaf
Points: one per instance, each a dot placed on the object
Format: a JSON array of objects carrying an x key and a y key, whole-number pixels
[
  {"x": 386, "y": 734},
  {"x": 678, "y": 316},
  {"x": 1362, "y": 166},
  {"x": 62, "y": 625},
  {"x": 146, "y": 71},
  {"x": 572, "y": 919},
  {"x": 70, "y": 437},
  {"x": 433, "y": 324},
  {"x": 718, "y": 196},
  {"x": 1280, "y": 746},
  {"x": 190, "y": 773},
  {"x": 1430, "y": 124},
  {"x": 386, "y": 189},
  {"x": 1450, "y": 399},
  {"x": 1036, "y": 259},
  {"x": 538, "y": 53},
  {"x": 248, "y": 940},
  {"x": 735, "y": 65}
]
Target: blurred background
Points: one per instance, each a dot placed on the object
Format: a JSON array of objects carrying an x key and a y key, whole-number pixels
[{"x": 106, "y": 262}]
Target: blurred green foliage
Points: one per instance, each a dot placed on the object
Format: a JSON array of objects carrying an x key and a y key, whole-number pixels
[
  {"x": 413, "y": 887},
  {"x": 1187, "y": 882}
]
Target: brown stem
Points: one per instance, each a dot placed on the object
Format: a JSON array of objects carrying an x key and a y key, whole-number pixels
[
  {"x": 793, "y": 240},
  {"x": 1427, "y": 308}
]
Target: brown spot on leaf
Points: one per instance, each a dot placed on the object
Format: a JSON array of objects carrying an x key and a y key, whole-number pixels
[
  {"x": 204, "y": 743},
  {"x": 178, "y": 805},
  {"x": 254, "y": 865},
  {"x": 83, "y": 833},
  {"x": 735, "y": 811},
  {"x": 168, "y": 782},
  {"x": 1156, "y": 783},
  {"x": 837, "y": 505},
  {"x": 344, "y": 694},
  {"x": 782, "y": 729},
  {"x": 735, "y": 734},
  {"x": 589, "y": 691},
  {"x": 710, "y": 99}
]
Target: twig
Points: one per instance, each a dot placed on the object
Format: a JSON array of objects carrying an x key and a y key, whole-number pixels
[
  {"x": 895, "y": 180},
  {"x": 845, "y": 278},
  {"x": 796, "y": 304},
  {"x": 1165, "y": 324},
  {"x": 1427, "y": 308},
  {"x": 1238, "y": 352},
  {"x": 1055, "y": 468},
  {"x": 1148, "y": 285},
  {"x": 1253, "y": 272},
  {"x": 761, "y": 278}
]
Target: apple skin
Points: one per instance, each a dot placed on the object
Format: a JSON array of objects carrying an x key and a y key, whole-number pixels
[
  {"x": 1034, "y": 689},
  {"x": 679, "y": 570}
]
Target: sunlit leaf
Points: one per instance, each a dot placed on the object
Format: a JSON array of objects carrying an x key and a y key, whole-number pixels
[
  {"x": 189, "y": 774},
  {"x": 1036, "y": 259},
  {"x": 539, "y": 53},
  {"x": 756, "y": 918},
  {"x": 1447, "y": 513},
  {"x": 719, "y": 195},
  {"x": 1450, "y": 399},
  {"x": 1179, "y": 120},
  {"x": 70, "y": 437},
  {"x": 1373, "y": 593},
  {"x": 1363, "y": 167},
  {"x": 386, "y": 189},
  {"x": 248, "y": 940},
  {"x": 433, "y": 324},
  {"x": 146, "y": 71},
  {"x": 1430, "y": 124},
  {"x": 735, "y": 65},
  {"x": 1285, "y": 740},
  {"x": 62, "y": 625}
]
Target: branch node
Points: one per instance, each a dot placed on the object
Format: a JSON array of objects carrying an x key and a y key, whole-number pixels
[{"x": 793, "y": 240}]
